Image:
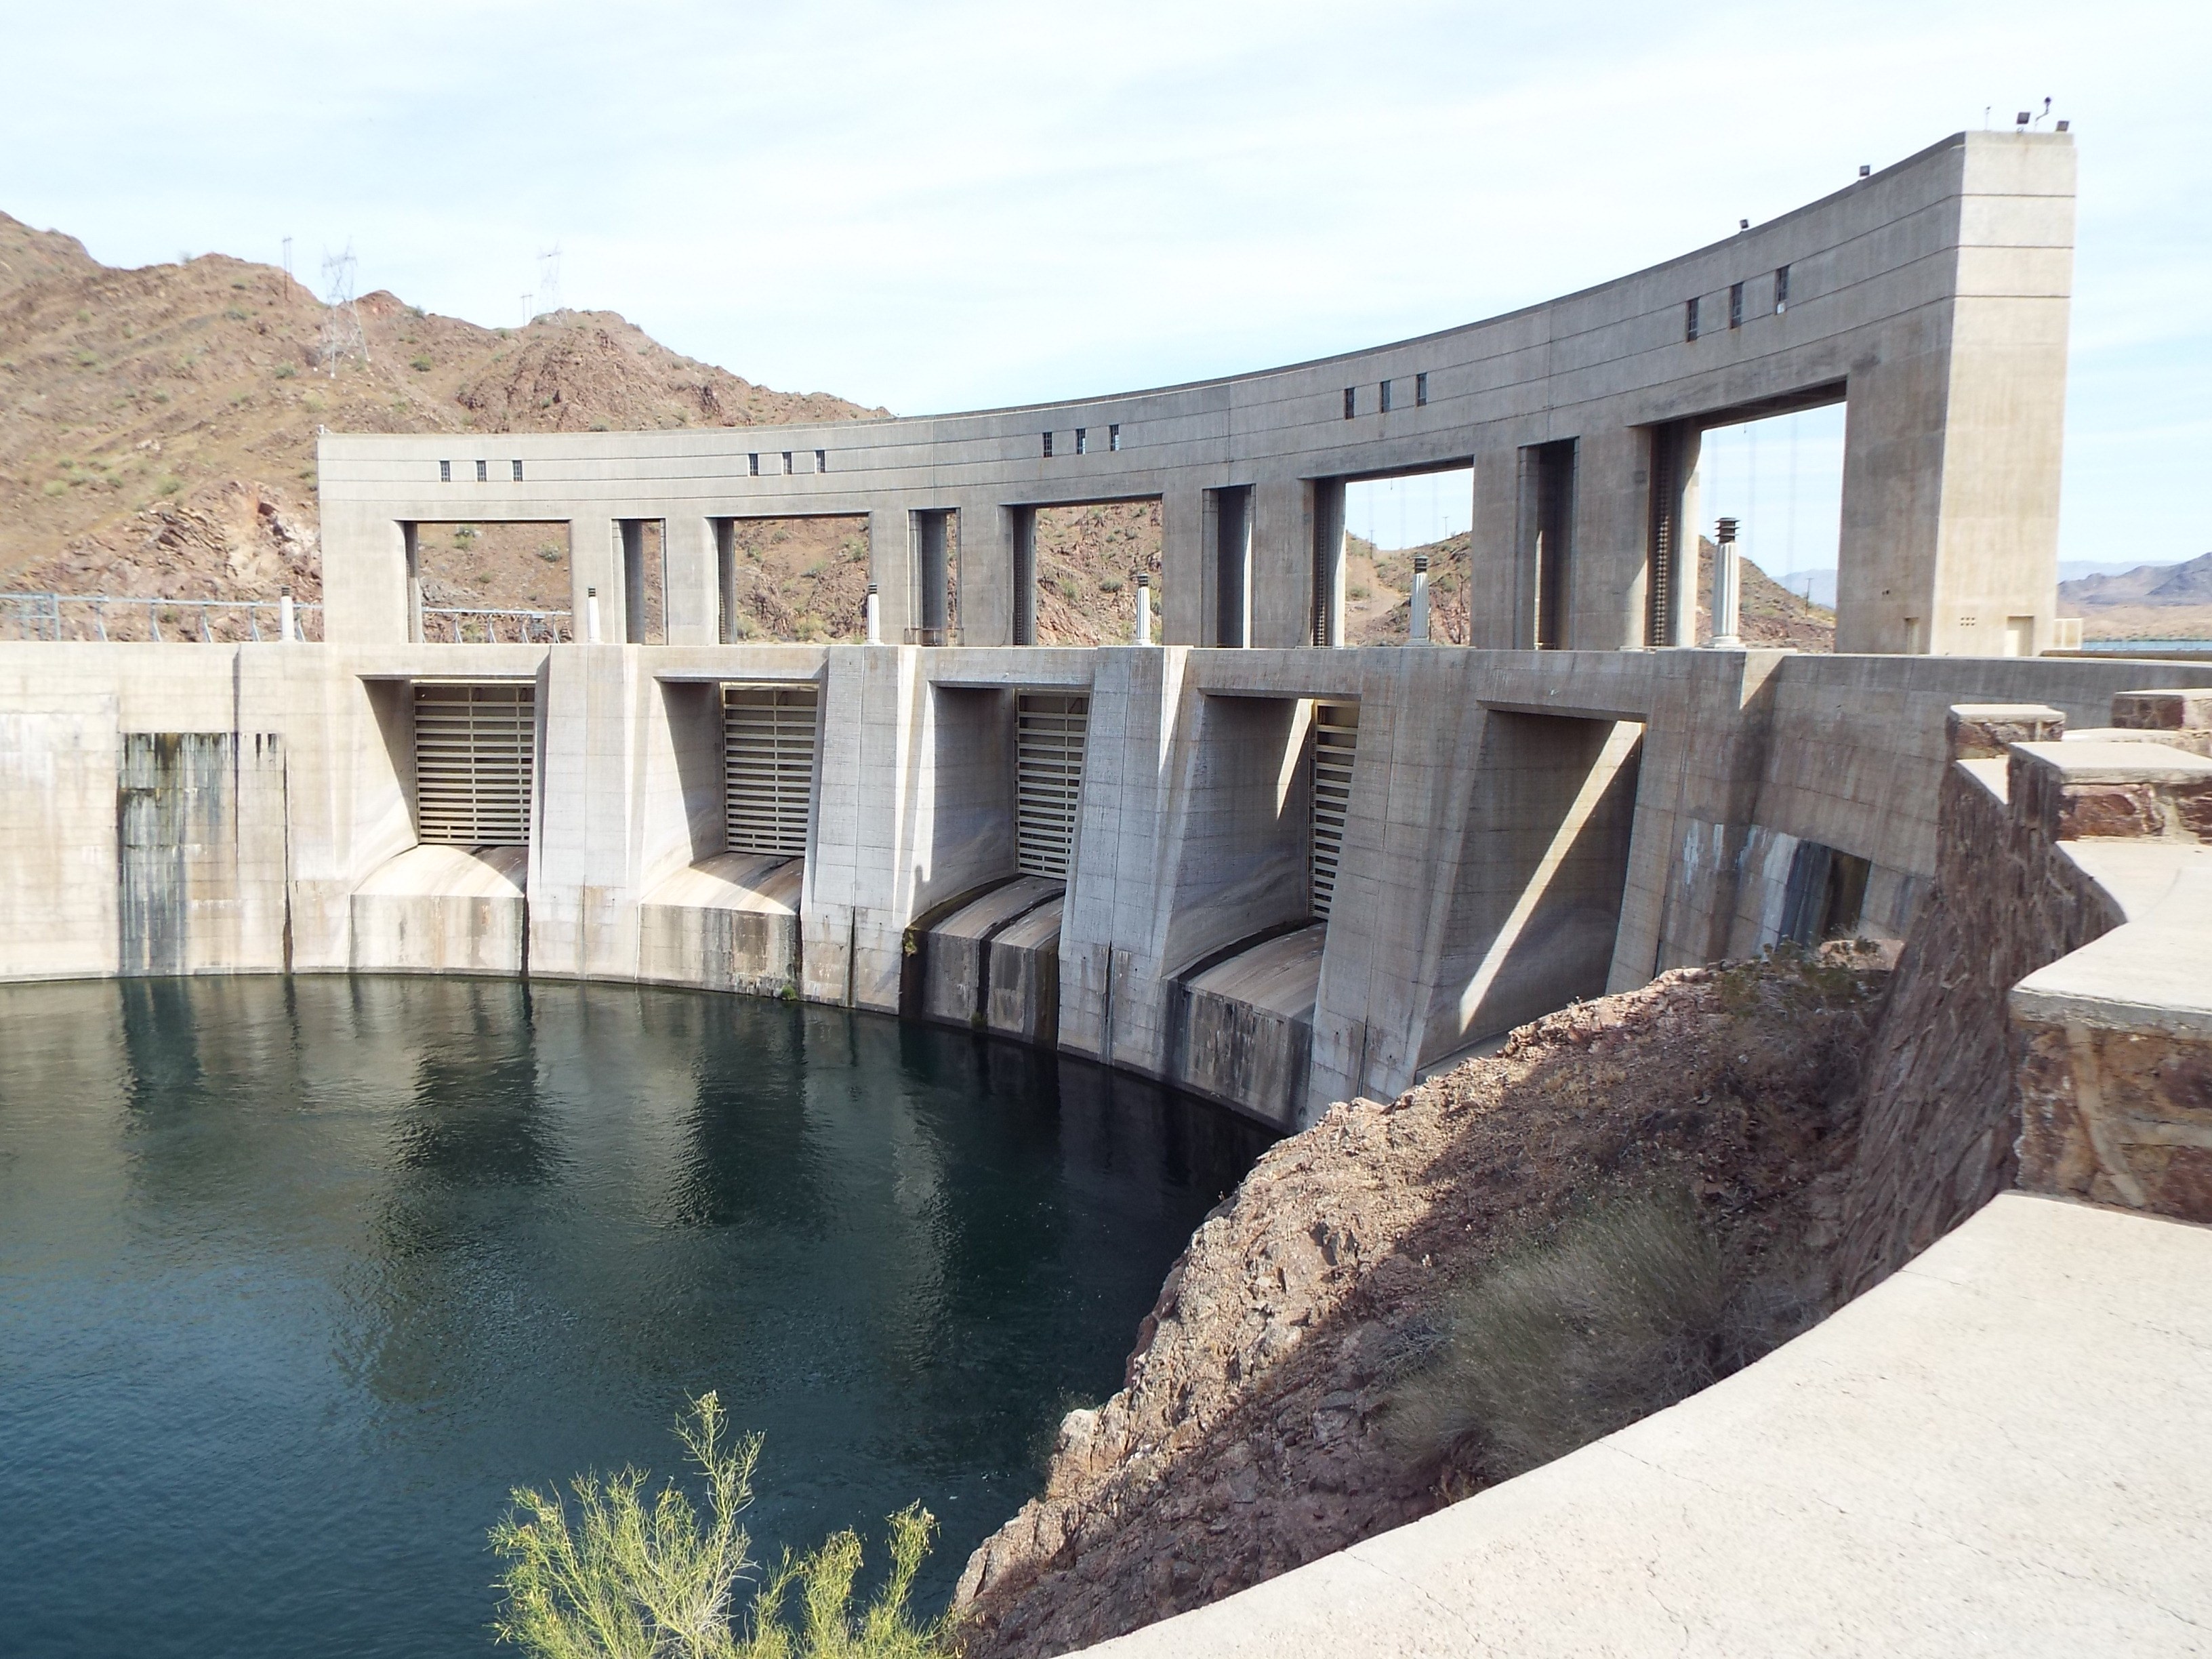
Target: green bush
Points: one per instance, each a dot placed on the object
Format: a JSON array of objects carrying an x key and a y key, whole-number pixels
[{"x": 640, "y": 1577}]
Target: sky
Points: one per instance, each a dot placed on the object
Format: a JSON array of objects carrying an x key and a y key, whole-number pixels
[{"x": 969, "y": 204}]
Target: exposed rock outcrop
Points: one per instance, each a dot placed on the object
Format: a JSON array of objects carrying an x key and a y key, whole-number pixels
[{"x": 1250, "y": 1437}]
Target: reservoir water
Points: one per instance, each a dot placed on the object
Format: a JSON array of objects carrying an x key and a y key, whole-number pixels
[{"x": 298, "y": 1277}]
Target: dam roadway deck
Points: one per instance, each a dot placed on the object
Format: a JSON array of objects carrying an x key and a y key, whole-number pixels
[{"x": 2005, "y": 1447}]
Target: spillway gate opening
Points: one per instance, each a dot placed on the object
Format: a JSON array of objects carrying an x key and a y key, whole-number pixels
[
  {"x": 475, "y": 748},
  {"x": 1048, "y": 763},
  {"x": 768, "y": 767},
  {"x": 1335, "y": 739}
]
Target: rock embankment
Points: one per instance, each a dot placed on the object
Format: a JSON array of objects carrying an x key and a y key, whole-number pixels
[{"x": 1253, "y": 1431}]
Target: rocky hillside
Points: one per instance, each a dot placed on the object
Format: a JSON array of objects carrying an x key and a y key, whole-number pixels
[
  {"x": 1284, "y": 1395},
  {"x": 157, "y": 426},
  {"x": 157, "y": 431},
  {"x": 2151, "y": 601}
]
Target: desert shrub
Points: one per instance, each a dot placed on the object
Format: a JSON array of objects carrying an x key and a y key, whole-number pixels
[
  {"x": 1631, "y": 1307},
  {"x": 420, "y": 365},
  {"x": 640, "y": 1577}
]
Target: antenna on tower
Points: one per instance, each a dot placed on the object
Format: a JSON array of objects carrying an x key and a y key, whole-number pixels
[
  {"x": 528, "y": 314},
  {"x": 549, "y": 278},
  {"x": 341, "y": 335}
]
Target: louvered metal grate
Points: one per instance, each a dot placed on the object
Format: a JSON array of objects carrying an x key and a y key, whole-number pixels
[
  {"x": 1335, "y": 736},
  {"x": 474, "y": 749},
  {"x": 768, "y": 766},
  {"x": 1049, "y": 779}
]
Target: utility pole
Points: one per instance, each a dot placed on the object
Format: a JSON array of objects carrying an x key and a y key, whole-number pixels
[{"x": 1727, "y": 588}]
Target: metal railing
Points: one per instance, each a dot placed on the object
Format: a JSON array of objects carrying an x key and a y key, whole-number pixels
[
  {"x": 121, "y": 618},
  {"x": 460, "y": 625},
  {"x": 113, "y": 617}
]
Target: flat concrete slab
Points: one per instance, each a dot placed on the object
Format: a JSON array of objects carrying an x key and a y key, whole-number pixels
[{"x": 2006, "y": 1448}]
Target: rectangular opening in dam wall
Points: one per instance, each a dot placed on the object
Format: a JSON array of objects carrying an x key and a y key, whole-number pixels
[
  {"x": 480, "y": 583},
  {"x": 474, "y": 752},
  {"x": 1670, "y": 564},
  {"x": 1547, "y": 530},
  {"x": 935, "y": 537},
  {"x": 1335, "y": 742},
  {"x": 1228, "y": 533},
  {"x": 798, "y": 579},
  {"x": 1075, "y": 569},
  {"x": 640, "y": 552},
  {"x": 1388, "y": 522},
  {"x": 1781, "y": 478},
  {"x": 1051, "y": 730},
  {"x": 768, "y": 767}
]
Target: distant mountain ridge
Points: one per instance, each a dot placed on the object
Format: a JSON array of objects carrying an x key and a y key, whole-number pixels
[{"x": 2186, "y": 584}]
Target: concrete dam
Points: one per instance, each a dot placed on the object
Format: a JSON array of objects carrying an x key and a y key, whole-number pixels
[
  {"x": 1239, "y": 857},
  {"x": 1246, "y": 860}
]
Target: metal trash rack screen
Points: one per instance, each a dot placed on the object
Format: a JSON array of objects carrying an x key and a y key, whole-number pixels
[
  {"x": 1335, "y": 737},
  {"x": 475, "y": 749},
  {"x": 768, "y": 767},
  {"x": 1049, "y": 766}
]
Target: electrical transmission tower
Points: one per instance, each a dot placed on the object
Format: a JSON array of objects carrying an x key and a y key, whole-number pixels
[
  {"x": 341, "y": 335},
  {"x": 549, "y": 279}
]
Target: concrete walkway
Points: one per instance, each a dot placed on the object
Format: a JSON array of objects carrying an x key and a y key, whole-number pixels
[{"x": 2005, "y": 1449}]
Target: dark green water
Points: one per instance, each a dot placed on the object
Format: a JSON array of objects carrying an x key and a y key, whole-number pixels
[{"x": 297, "y": 1278}]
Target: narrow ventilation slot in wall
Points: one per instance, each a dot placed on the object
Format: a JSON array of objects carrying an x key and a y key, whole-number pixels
[
  {"x": 1335, "y": 736},
  {"x": 768, "y": 767},
  {"x": 1048, "y": 778},
  {"x": 474, "y": 749}
]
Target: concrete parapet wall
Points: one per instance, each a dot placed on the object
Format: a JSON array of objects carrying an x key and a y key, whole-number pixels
[{"x": 2051, "y": 1021}]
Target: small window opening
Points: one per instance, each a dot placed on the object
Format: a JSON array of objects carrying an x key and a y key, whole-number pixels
[
  {"x": 1421, "y": 389},
  {"x": 787, "y": 463},
  {"x": 484, "y": 471},
  {"x": 1114, "y": 437},
  {"x": 518, "y": 471},
  {"x": 1351, "y": 401},
  {"x": 752, "y": 465},
  {"x": 1735, "y": 305},
  {"x": 821, "y": 460},
  {"x": 1382, "y": 397},
  {"x": 445, "y": 472},
  {"x": 1083, "y": 440},
  {"x": 1047, "y": 446},
  {"x": 1781, "y": 289},
  {"x": 1690, "y": 320}
]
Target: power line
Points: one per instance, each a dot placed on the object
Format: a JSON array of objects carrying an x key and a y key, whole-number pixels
[{"x": 341, "y": 335}]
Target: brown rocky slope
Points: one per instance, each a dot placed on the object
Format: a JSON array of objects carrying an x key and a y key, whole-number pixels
[
  {"x": 1254, "y": 1430},
  {"x": 157, "y": 434}
]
